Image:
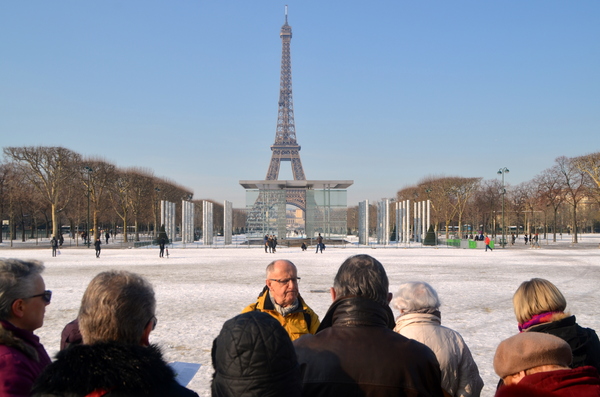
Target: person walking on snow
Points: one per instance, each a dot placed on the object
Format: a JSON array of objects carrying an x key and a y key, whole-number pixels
[
  {"x": 97, "y": 246},
  {"x": 487, "y": 243},
  {"x": 54, "y": 244},
  {"x": 319, "y": 244}
]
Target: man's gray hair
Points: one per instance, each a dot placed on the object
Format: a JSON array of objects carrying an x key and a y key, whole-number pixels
[
  {"x": 362, "y": 275},
  {"x": 17, "y": 278},
  {"x": 416, "y": 295},
  {"x": 116, "y": 306}
]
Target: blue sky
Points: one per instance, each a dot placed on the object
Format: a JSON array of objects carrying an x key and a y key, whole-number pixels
[{"x": 385, "y": 92}]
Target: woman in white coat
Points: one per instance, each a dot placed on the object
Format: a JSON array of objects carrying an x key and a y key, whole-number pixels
[{"x": 420, "y": 319}]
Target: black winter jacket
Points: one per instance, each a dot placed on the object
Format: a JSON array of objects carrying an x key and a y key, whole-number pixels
[
  {"x": 123, "y": 370},
  {"x": 253, "y": 356},
  {"x": 583, "y": 341},
  {"x": 355, "y": 352}
]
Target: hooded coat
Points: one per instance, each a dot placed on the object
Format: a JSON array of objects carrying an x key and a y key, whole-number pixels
[
  {"x": 22, "y": 359},
  {"x": 254, "y": 356},
  {"x": 460, "y": 375},
  {"x": 115, "y": 368},
  {"x": 355, "y": 352}
]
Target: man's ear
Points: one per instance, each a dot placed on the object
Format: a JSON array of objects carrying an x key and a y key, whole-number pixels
[
  {"x": 390, "y": 296},
  {"x": 18, "y": 309},
  {"x": 145, "y": 341},
  {"x": 269, "y": 282},
  {"x": 333, "y": 296}
]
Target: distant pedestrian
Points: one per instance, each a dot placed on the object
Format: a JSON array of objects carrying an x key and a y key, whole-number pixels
[
  {"x": 303, "y": 246},
  {"x": 266, "y": 243},
  {"x": 161, "y": 245},
  {"x": 97, "y": 246},
  {"x": 274, "y": 243},
  {"x": 54, "y": 245},
  {"x": 526, "y": 239},
  {"x": 513, "y": 239},
  {"x": 107, "y": 236},
  {"x": 319, "y": 244},
  {"x": 61, "y": 240},
  {"x": 536, "y": 241},
  {"x": 487, "y": 241}
]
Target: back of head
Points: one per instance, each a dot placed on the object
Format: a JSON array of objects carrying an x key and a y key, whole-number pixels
[
  {"x": 254, "y": 356},
  {"x": 17, "y": 279},
  {"x": 416, "y": 296},
  {"x": 528, "y": 350},
  {"x": 537, "y": 296},
  {"x": 364, "y": 276},
  {"x": 116, "y": 306}
]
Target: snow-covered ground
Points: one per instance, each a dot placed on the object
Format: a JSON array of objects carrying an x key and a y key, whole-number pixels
[{"x": 198, "y": 288}]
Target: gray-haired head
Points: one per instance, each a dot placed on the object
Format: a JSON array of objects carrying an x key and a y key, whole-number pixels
[
  {"x": 271, "y": 266},
  {"x": 17, "y": 279},
  {"x": 362, "y": 275},
  {"x": 414, "y": 296},
  {"x": 116, "y": 306}
]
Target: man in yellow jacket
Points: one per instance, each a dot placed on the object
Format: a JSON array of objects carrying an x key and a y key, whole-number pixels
[{"x": 281, "y": 299}]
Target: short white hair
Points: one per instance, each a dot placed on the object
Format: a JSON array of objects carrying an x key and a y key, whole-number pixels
[{"x": 416, "y": 295}]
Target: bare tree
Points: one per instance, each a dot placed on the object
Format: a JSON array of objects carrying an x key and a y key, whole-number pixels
[
  {"x": 550, "y": 189},
  {"x": 96, "y": 176},
  {"x": 574, "y": 180},
  {"x": 486, "y": 202},
  {"x": 47, "y": 169}
]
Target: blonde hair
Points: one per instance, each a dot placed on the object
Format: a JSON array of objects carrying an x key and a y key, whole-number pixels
[
  {"x": 116, "y": 306},
  {"x": 537, "y": 296}
]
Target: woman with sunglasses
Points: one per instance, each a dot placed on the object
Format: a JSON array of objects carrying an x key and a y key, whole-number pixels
[{"x": 23, "y": 301}]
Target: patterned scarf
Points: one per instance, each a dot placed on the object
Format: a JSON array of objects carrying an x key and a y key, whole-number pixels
[
  {"x": 284, "y": 311},
  {"x": 537, "y": 319}
]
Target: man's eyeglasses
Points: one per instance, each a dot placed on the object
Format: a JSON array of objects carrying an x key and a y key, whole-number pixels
[
  {"x": 286, "y": 280},
  {"x": 46, "y": 296}
]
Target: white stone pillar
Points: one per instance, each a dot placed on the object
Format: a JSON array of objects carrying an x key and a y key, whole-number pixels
[
  {"x": 228, "y": 221},
  {"x": 207, "y": 222}
]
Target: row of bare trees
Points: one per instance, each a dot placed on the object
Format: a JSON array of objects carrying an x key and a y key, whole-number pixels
[
  {"x": 53, "y": 186},
  {"x": 566, "y": 195}
]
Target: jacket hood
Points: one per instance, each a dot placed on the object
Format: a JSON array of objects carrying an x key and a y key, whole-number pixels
[
  {"x": 254, "y": 356},
  {"x": 416, "y": 319}
]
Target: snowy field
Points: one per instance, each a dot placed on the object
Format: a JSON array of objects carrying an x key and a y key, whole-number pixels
[{"x": 198, "y": 289}]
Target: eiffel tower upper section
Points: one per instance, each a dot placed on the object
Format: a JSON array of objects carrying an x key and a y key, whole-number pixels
[{"x": 286, "y": 147}]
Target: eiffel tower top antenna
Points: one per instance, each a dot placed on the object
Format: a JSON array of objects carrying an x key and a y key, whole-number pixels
[{"x": 286, "y": 147}]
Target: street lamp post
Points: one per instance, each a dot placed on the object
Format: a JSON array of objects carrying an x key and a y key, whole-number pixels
[
  {"x": 503, "y": 171},
  {"x": 88, "y": 171}
]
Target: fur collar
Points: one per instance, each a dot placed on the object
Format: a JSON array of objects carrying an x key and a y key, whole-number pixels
[
  {"x": 9, "y": 339},
  {"x": 81, "y": 369}
]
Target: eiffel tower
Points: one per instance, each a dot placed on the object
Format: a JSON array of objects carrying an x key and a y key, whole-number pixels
[
  {"x": 285, "y": 147},
  {"x": 269, "y": 197}
]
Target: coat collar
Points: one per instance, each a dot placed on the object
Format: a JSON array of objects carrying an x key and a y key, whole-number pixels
[{"x": 356, "y": 311}]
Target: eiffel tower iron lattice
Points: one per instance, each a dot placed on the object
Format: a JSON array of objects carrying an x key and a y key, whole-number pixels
[{"x": 286, "y": 147}]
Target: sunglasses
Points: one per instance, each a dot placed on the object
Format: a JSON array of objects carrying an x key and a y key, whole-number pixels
[
  {"x": 154, "y": 322},
  {"x": 46, "y": 296}
]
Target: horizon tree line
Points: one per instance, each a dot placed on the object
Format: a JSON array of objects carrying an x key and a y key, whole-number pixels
[
  {"x": 569, "y": 189},
  {"x": 55, "y": 186}
]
